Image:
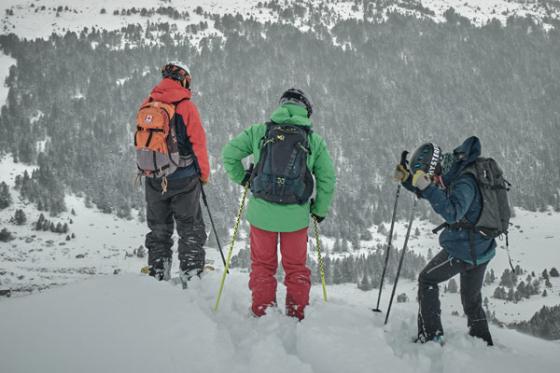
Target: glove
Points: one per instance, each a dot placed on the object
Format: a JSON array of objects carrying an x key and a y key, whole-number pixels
[
  {"x": 401, "y": 173},
  {"x": 313, "y": 215},
  {"x": 421, "y": 180},
  {"x": 247, "y": 178},
  {"x": 318, "y": 218}
]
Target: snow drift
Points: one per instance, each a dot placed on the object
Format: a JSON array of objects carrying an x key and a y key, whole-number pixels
[{"x": 131, "y": 323}]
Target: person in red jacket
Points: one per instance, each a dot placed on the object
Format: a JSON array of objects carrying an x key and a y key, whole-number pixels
[{"x": 178, "y": 197}]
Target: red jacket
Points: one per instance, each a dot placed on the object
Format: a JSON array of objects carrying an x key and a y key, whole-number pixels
[{"x": 171, "y": 91}]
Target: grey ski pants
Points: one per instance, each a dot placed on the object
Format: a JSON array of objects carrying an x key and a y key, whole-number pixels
[{"x": 180, "y": 204}]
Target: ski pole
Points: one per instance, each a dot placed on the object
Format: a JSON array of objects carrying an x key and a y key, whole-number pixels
[
  {"x": 404, "y": 154},
  {"x": 232, "y": 243},
  {"x": 320, "y": 259},
  {"x": 389, "y": 242},
  {"x": 204, "y": 199},
  {"x": 410, "y": 220}
]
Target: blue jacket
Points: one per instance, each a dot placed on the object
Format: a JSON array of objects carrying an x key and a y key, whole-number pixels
[{"x": 461, "y": 199}]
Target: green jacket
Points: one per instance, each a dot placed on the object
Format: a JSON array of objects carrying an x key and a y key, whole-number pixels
[{"x": 275, "y": 217}]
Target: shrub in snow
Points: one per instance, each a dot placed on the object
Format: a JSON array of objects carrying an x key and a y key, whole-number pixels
[
  {"x": 402, "y": 298},
  {"x": 6, "y": 235}
]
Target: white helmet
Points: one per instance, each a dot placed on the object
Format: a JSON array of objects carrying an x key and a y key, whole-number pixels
[
  {"x": 177, "y": 71},
  {"x": 181, "y": 65}
]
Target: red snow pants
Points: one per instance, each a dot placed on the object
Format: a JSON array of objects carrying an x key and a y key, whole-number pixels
[{"x": 264, "y": 263}]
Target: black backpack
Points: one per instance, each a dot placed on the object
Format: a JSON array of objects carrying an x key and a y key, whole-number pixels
[
  {"x": 496, "y": 212},
  {"x": 281, "y": 174}
]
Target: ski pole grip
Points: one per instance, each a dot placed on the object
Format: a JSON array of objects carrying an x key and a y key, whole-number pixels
[{"x": 404, "y": 154}]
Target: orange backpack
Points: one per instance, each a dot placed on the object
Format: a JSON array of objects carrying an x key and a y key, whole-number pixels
[{"x": 157, "y": 149}]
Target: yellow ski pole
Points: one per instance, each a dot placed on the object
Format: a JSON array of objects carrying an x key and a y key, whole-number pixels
[
  {"x": 232, "y": 243},
  {"x": 321, "y": 265}
]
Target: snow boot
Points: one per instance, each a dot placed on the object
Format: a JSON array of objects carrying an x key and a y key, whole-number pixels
[
  {"x": 422, "y": 338},
  {"x": 479, "y": 329},
  {"x": 160, "y": 269}
]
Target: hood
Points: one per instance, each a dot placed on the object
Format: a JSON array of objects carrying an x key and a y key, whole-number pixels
[
  {"x": 291, "y": 114},
  {"x": 464, "y": 155},
  {"x": 170, "y": 91}
]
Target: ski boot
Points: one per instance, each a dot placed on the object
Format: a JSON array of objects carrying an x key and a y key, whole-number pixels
[
  {"x": 160, "y": 269},
  {"x": 437, "y": 338},
  {"x": 187, "y": 273}
]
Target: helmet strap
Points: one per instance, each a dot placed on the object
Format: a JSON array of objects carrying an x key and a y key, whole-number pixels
[{"x": 438, "y": 179}]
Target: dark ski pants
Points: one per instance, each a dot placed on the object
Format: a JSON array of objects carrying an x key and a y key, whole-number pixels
[
  {"x": 181, "y": 203},
  {"x": 441, "y": 268}
]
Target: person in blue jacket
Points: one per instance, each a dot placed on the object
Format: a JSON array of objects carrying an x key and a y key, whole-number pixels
[{"x": 453, "y": 194}]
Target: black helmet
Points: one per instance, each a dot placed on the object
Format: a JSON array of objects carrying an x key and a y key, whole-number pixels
[
  {"x": 296, "y": 96},
  {"x": 427, "y": 158}
]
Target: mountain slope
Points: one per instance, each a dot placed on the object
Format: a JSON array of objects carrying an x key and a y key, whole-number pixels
[
  {"x": 134, "y": 324},
  {"x": 40, "y": 18}
]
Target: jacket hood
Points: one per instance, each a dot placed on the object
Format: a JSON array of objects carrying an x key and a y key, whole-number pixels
[
  {"x": 465, "y": 155},
  {"x": 170, "y": 91},
  {"x": 291, "y": 114}
]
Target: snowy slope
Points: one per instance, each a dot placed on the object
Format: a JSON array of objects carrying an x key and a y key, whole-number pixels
[
  {"x": 30, "y": 19},
  {"x": 131, "y": 323},
  {"x": 534, "y": 240}
]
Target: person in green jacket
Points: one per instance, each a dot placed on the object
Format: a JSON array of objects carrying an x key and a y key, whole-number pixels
[{"x": 279, "y": 207}]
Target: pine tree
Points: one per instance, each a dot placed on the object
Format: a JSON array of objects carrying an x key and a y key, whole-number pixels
[
  {"x": 452, "y": 286},
  {"x": 5, "y": 197},
  {"x": 511, "y": 295},
  {"x": 39, "y": 223},
  {"x": 500, "y": 293},
  {"x": 19, "y": 217},
  {"x": 554, "y": 272},
  {"x": 364, "y": 283},
  {"x": 5, "y": 235},
  {"x": 508, "y": 279}
]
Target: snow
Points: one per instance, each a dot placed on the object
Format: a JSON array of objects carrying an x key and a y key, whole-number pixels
[
  {"x": 131, "y": 323},
  {"x": 104, "y": 243},
  {"x": 483, "y": 11},
  {"x": 30, "y": 21}
]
